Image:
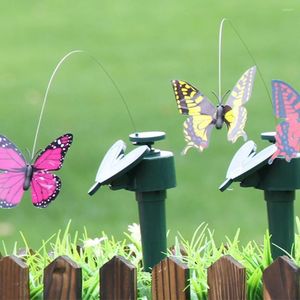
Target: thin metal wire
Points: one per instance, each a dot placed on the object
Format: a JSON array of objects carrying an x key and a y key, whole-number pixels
[
  {"x": 49, "y": 85},
  {"x": 253, "y": 59},
  {"x": 250, "y": 55},
  {"x": 220, "y": 60}
]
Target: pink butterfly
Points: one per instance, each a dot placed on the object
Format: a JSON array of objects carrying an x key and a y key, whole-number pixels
[
  {"x": 17, "y": 175},
  {"x": 286, "y": 104}
]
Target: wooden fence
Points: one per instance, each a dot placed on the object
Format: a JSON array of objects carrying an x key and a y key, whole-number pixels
[{"x": 118, "y": 280}]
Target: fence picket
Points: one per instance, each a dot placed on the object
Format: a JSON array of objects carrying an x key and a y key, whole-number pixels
[
  {"x": 14, "y": 279},
  {"x": 281, "y": 280},
  {"x": 118, "y": 280},
  {"x": 170, "y": 280},
  {"x": 226, "y": 279},
  {"x": 62, "y": 280}
]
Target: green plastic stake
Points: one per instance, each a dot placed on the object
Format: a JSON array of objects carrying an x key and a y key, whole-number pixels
[
  {"x": 279, "y": 181},
  {"x": 152, "y": 215},
  {"x": 280, "y": 208},
  {"x": 149, "y": 173},
  {"x": 150, "y": 179}
]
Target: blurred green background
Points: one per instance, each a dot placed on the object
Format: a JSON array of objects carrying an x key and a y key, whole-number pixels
[{"x": 143, "y": 45}]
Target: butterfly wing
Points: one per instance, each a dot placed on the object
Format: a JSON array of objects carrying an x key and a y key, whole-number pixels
[
  {"x": 11, "y": 188},
  {"x": 52, "y": 157},
  {"x": 12, "y": 173},
  {"x": 286, "y": 100},
  {"x": 44, "y": 188},
  {"x": 286, "y": 104},
  {"x": 236, "y": 114},
  {"x": 11, "y": 157},
  {"x": 287, "y": 141},
  {"x": 197, "y": 131},
  {"x": 197, "y": 128},
  {"x": 190, "y": 101}
]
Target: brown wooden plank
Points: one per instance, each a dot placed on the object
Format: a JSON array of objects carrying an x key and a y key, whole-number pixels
[
  {"x": 118, "y": 280},
  {"x": 281, "y": 280},
  {"x": 14, "y": 279},
  {"x": 226, "y": 279},
  {"x": 170, "y": 280},
  {"x": 62, "y": 280}
]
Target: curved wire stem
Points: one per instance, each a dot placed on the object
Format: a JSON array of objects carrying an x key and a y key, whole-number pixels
[
  {"x": 249, "y": 53},
  {"x": 220, "y": 61},
  {"x": 253, "y": 59},
  {"x": 49, "y": 86}
]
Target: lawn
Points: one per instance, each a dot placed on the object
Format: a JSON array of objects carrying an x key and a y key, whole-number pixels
[{"x": 143, "y": 45}]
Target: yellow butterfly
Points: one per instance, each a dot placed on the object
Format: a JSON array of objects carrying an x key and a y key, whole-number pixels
[{"x": 204, "y": 115}]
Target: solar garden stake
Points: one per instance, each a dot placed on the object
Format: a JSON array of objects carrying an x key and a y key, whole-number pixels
[
  {"x": 280, "y": 208},
  {"x": 278, "y": 180},
  {"x": 149, "y": 173}
]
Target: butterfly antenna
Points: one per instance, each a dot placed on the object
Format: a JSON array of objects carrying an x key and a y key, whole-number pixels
[
  {"x": 36, "y": 154},
  {"x": 226, "y": 93},
  {"x": 28, "y": 153},
  {"x": 50, "y": 82},
  {"x": 215, "y": 94}
]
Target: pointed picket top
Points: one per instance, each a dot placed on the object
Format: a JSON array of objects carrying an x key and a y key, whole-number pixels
[
  {"x": 181, "y": 249},
  {"x": 23, "y": 253},
  {"x": 14, "y": 278},
  {"x": 118, "y": 280},
  {"x": 281, "y": 280},
  {"x": 170, "y": 280},
  {"x": 62, "y": 279},
  {"x": 226, "y": 279}
]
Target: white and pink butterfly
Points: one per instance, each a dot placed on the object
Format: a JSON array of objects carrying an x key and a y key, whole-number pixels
[{"x": 17, "y": 175}]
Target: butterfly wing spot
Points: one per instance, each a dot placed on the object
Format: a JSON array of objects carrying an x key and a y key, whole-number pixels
[{"x": 4, "y": 204}]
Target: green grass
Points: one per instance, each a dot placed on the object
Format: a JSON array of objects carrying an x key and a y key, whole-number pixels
[
  {"x": 198, "y": 253},
  {"x": 143, "y": 45}
]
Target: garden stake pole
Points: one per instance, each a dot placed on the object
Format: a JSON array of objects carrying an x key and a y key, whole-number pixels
[
  {"x": 152, "y": 216},
  {"x": 280, "y": 209},
  {"x": 149, "y": 173},
  {"x": 152, "y": 177},
  {"x": 279, "y": 181}
]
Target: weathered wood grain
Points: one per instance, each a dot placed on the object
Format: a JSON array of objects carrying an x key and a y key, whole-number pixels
[
  {"x": 226, "y": 280},
  {"x": 14, "y": 279},
  {"x": 281, "y": 280},
  {"x": 170, "y": 280},
  {"x": 118, "y": 280},
  {"x": 62, "y": 280}
]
